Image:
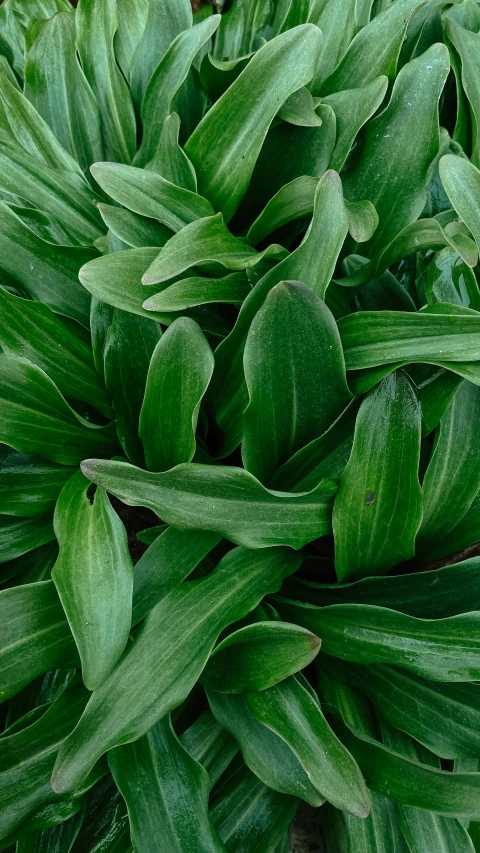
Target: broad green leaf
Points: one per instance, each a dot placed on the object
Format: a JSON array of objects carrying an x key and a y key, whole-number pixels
[
  {"x": 290, "y": 711},
  {"x": 378, "y": 833},
  {"x": 242, "y": 27},
  {"x": 443, "y": 717},
  {"x": 165, "y": 21},
  {"x": 412, "y": 783},
  {"x": 384, "y": 293},
  {"x": 293, "y": 346},
  {"x": 378, "y": 508},
  {"x": 325, "y": 456},
  {"x": 166, "y": 563},
  {"x": 372, "y": 338},
  {"x": 232, "y": 132},
  {"x": 292, "y": 201},
  {"x": 259, "y": 655},
  {"x": 60, "y": 193},
  {"x": 35, "y": 636},
  {"x": 432, "y": 594},
  {"x": 12, "y": 40},
  {"x": 132, "y": 229},
  {"x": 132, "y": 19},
  {"x": 28, "y": 757},
  {"x": 175, "y": 642},
  {"x": 165, "y": 82},
  {"x": 465, "y": 13},
  {"x": 300, "y": 109},
  {"x": 35, "y": 418},
  {"x": 423, "y": 829},
  {"x": 449, "y": 279},
  {"x": 46, "y": 273},
  {"x": 47, "y": 227},
  {"x": 226, "y": 500},
  {"x": 265, "y": 753},
  {"x": 436, "y": 390},
  {"x": 150, "y": 195},
  {"x": 95, "y": 591},
  {"x": 29, "y": 485},
  {"x": 129, "y": 345},
  {"x": 20, "y": 535},
  {"x": 209, "y": 744},
  {"x": 188, "y": 292},
  {"x": 461, "y": 180},
  {"x": 170, "y": 160},
  {"x": 180, "y": 370},
  {"x": 55, "y": 839},
  {"x": 437, "y": 649},
  {"x": 248, "y": 815},
  {"x": 313, "y": 263},
  {"x": 105, "y": 821},
  {"x": 406, "y": 133},
  {"x": 452, "y": 479},
  {"x": 31, "y": 330},
  {"x": 337, "y": 21},
  {"x": 116, "y": 279},
  {"x": 216, "y": 75},
  {"x": 200, "y": 242},
  {"x": 352, "y": 109},
  {"x": 32, "y": 132},
  {"x": 57, "y": 87},
  {"x": 166, "y": 792},
  {"x": 467, "y": 44},
  {"x": 96, "y": 24},
  {"x": 375, "y": 49}
]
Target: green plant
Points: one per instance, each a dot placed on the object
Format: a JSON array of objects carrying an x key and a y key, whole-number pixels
[{"x": 239, "y": 411}]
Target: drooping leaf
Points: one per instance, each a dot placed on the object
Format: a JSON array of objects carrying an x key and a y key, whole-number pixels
[
  {"x": 96, "y": 590},
  {"x": 352, "y": 109},
  {"x": 231, "y": 134},
  {"x": 176, "y": 639},
  {"x": 294, "y": 346},
  {"x": 180, "y": 370},
  {"x": 226, "y": 500},
  {"x": 378, "y": 508}
]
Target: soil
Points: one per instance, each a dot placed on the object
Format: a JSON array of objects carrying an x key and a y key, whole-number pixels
[{"x": 305, "y": 834}]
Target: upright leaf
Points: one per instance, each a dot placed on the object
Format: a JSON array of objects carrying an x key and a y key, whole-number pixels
[
  {"x": 293, "y": 346},
  {"x": 467, "y": 45},
  {"x": 166, "y": 792},
  {"x": 165, "y": 21},
  {"x": 337, "y": 21},
  {"x": 461, "y": 180},
  {"x": 378, "y": 509},
  {"x": 232, "y": 132},
  {"x": 96, "y": 24},
  {"x": 96, "y": 591},
  {"x": 180, "y": 370},
  {"x": 170, "y": 159}
]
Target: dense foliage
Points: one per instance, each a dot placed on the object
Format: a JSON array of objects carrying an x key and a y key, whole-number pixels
[{"x": 239, "y": 414}]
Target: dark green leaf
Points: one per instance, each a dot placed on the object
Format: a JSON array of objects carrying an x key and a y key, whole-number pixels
[
  {"x": 20, "y": 535},
  {"x": 29, "y": 485},
  {"x": 352, "y": 109},
  {"x": 166, "y": 19},
  {"x": 134, "y": 230},
  {"x": 188, "y": 292}
]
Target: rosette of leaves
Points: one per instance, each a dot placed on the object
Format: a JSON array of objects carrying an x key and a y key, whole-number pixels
[{"x": 239, "y": 412}]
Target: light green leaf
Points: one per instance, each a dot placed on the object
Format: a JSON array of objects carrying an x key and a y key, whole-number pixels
[
  {"x": 362, "y": 220},
  {"x": 165, "y": 21},
  {"x": 300, "y": 109},
  {"x": 378, "y": 833},
  {"x": 337, "y": 21},
  {"x": 170, "y": 160},
  {"x": 452, "y": 479},
  {"x": 188, "y": 292},
  {"x": 96, "y": 590},
  {"x": 232, "y": 132},
  {"x": 20, "y": 535},
  {"x": 180, "y": 370},
  {"x": 96, "y": 24},
  {"x": 352, "y": 109},
  {"x": 132, "y": 19},
  {"x": 375, "y": 49},
  {"x": 167, "y": 562},
  {"x": 200, "y": 242},
  {"x": 292, "y": 201},
  {"x": 29, "y": 485},
  {"x": 289, "y": 710},
  {"x": 31, "y": 330},
  {"x": 226, "y": 500},
  {"x": 166, "y": 792},
  {"x": 58, "y": 89},
  {"x": 132, "y": 229},
  {"x": 46, "y": 273},
  {"x": 35, "y": 418},
  {"x": 150, "y": 195},
  {"x": 378, "y": 508},
  {"x": 129, "y": 344},
  {"x": 34, "y": 635},
  {"x": 292, "y": 345},
  {"x": 313, "y": 263},
  {"x": 406, "y": 133},
  {"x": 437, "y": 649},
  {"x": 175, "y": 641},
  {"x": 259, "y": 655},
  {"x": 166, "y": 81},
  {"x": 461, "y": 180},
  {"x": 449, "y": 279}
]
